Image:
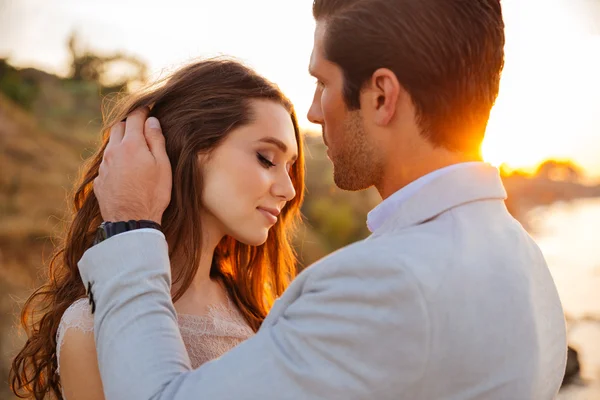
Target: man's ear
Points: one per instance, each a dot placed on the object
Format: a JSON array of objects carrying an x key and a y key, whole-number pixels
[{"x": 383, "y": 96}]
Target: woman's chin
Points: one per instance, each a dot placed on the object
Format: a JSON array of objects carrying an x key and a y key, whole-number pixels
[{"x": 256, "y": 239}]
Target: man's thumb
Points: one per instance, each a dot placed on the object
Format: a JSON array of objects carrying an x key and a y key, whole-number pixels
[{"x": 155, "y": 138}]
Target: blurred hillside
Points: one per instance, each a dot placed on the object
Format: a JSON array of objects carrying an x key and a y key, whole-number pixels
[
  {"x": 41, "y": 148},
  {"x": 50, "y": 124}
]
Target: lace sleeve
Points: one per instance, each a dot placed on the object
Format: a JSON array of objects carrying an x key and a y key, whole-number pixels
[{"x": 77, "y": 316}]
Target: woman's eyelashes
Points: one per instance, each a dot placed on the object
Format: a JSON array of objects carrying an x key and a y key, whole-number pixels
[{"x": 264, "y": 161}]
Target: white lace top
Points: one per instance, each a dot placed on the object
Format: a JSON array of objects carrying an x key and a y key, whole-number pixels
[{"x": 205, "y": 337}]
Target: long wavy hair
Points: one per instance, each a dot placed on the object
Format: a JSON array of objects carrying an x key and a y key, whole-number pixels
[{"x": 197, "y": 107}]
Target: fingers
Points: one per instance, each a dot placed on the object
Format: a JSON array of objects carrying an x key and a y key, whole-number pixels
[
  {"x": 155, "y": 139},
  {"x": 134, "y": 127},
  {"x": 116, "y": 135}
]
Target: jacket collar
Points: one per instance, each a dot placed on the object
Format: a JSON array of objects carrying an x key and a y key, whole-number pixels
[{"x": 472, "y": 183}]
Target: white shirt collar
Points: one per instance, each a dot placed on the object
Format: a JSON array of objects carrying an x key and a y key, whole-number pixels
[{"x": 380, "y": 214}]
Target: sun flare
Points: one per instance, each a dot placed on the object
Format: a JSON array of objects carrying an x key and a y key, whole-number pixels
[{"x": 548, "y": 92}]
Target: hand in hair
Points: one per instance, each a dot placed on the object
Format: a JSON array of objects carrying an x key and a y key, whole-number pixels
[{"x": 134, "y": 180}]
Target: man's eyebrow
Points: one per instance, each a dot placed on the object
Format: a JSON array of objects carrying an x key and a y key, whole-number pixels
[{"x": 278, "y": 143}]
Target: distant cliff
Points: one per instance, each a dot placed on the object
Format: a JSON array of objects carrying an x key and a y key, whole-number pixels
[{"x": 526, "y": 192}]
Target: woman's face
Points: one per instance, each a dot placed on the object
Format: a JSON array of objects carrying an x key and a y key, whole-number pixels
[{"x": 247, "y": 178}]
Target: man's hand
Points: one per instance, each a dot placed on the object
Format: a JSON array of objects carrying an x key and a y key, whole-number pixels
[{"x": 134, "y": 181}]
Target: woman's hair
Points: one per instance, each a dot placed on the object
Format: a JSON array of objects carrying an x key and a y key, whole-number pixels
[{"x": 197, "y": 107}]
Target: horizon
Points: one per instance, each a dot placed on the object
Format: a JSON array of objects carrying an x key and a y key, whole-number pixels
[{"x": 549, "y": 92}]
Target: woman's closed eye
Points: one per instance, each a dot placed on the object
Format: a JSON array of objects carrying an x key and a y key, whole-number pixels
[{"x": 264, "y": 161}]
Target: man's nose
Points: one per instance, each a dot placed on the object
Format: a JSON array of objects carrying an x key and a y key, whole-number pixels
[{"x": 315, "y": 114}]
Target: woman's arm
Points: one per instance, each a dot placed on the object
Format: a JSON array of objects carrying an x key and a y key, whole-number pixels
[{"x": 79, "y": 373}]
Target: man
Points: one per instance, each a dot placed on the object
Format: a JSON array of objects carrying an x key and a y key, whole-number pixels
[{"x": 449, "y": 298}]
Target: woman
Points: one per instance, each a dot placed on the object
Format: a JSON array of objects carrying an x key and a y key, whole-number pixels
[{"x": 238, "y": 180}]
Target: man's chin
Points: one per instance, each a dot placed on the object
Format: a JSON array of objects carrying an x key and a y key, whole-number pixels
[{"x": 349, "y": 183}]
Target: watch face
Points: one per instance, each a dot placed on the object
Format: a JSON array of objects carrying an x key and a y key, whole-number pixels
[{"x": 100, "y": 234}]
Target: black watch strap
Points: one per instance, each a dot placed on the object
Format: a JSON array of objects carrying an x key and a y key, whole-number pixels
[{"x": 109, "y": 229}]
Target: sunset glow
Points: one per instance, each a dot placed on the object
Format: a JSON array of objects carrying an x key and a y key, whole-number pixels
[
  {"x": 549, "y": 93},
  {"x": 550, "y": 90}
]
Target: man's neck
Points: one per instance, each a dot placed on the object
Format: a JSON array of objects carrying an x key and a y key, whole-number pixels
[{"x": 402, "y": 171}]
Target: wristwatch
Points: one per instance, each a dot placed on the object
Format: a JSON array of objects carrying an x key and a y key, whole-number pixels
[{"x": 108, "y": 229}]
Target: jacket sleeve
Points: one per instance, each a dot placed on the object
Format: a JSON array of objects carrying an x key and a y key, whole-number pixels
[{"x": 358, "y": 330}]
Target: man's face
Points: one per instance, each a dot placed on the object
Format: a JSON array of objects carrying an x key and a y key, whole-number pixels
[{"x": 356, "y": 164}]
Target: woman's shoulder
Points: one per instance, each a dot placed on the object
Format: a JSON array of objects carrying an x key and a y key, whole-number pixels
[
  {"x": 76, "y": 353},
  {"x": 77, "y": 317}
]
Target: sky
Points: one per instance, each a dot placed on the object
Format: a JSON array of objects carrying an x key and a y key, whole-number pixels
[{"x": 550, "y": 90}]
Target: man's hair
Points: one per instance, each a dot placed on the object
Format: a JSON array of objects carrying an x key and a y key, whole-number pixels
[{"x": 447, "y": 54}]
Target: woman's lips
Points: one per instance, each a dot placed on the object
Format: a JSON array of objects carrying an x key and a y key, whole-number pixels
[{"x": 269, "y": 213}]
